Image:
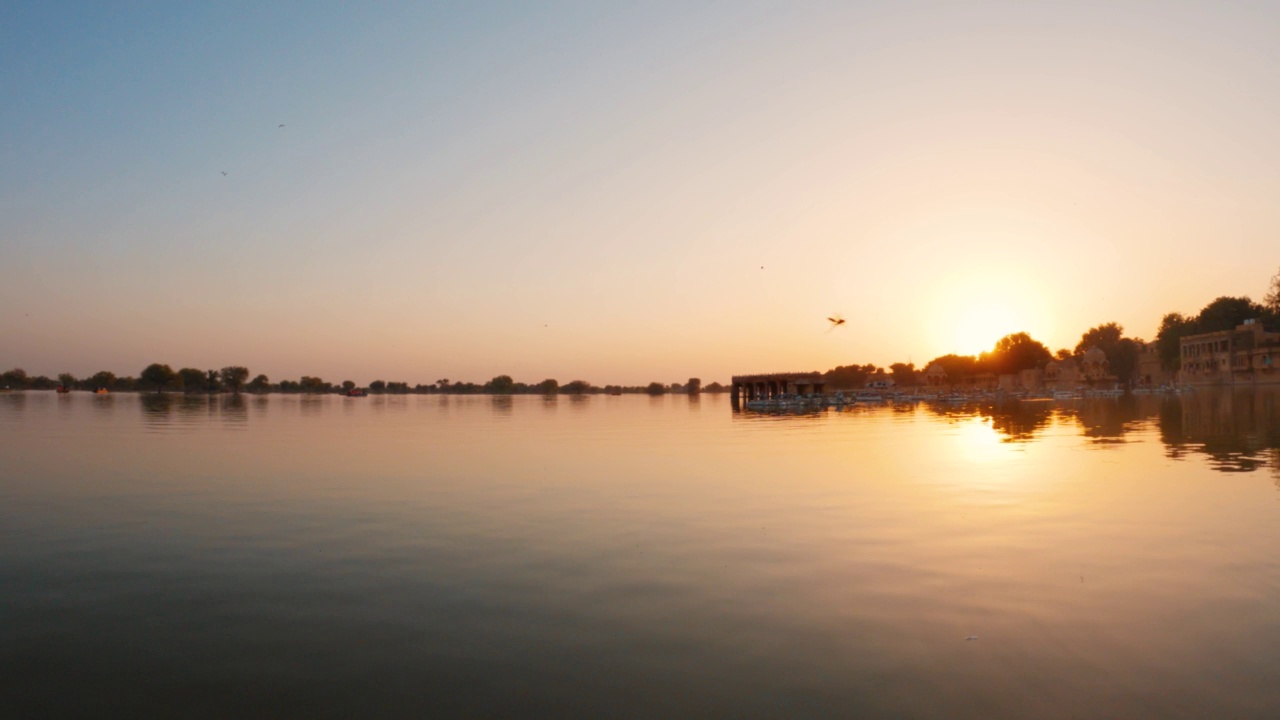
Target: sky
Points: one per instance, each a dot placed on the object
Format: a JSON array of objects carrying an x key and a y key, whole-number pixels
[{"x": 621, "y": 192}]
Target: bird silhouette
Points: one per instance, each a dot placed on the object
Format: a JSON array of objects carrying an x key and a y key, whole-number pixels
[
  {"x": 224, "y": 173},
  {"x": 836, "y": 321},
  {"x": 280, "y": 125}
]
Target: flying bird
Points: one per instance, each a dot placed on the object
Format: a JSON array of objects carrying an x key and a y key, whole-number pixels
[
  {"x": 280, "y": 125},
  {"x": 836, "y": 321},
  {"x": 224, "y": 173}
]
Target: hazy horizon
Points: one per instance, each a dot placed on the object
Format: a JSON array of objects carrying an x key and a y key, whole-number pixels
[{"x": 621, "y": 194}]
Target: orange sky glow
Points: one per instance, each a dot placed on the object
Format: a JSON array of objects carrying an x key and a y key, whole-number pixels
[{"x": 627, "y": 195}]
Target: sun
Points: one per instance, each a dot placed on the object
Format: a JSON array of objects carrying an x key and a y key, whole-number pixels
[{"x": 978, "y": 325}]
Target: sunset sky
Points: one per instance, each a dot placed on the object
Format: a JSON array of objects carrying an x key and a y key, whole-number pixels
[{"x": 621, "y": 192}]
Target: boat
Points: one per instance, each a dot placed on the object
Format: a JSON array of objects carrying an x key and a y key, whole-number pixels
[
  {"x": 100, "y": 391},
  {"x": 356, "y": 392},
  {"x": 63, "y": 389}
]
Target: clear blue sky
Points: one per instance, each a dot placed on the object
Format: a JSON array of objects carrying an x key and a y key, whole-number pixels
[{"x": 589, "y": 190}]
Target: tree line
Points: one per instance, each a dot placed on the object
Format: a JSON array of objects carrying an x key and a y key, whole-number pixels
[
  {"x": 1011, "y": 354},
  {"x": 1019, "y": 351},
  {"x": 160, "y": 378}
]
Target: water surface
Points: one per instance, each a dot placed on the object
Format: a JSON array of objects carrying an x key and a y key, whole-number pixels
[{"x": 474, "y": 556}]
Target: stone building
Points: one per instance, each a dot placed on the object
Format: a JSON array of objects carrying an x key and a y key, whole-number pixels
[
  {"x": 1247, "y": 355},
  {"x": 1151, "y": 372}
]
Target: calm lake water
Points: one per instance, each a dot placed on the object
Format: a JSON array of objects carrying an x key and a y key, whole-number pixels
[{"x": 418, "y": 556}]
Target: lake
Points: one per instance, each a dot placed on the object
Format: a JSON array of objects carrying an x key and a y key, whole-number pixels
[{"x": 599, "y": 556}]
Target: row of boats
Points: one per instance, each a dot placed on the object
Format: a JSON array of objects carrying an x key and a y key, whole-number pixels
[
  {"x": 791, "y": 401},
  {"x": 63, "y": 390}
]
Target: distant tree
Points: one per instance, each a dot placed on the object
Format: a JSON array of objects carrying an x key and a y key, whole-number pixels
[
  {"x": 1122, "y": 352},
  {"x": 693, "y": 386},
  {"x": 103, "y": 379},
  {"x": 1062, "y": 354},
  {"x": 67, "y": 380},
  {"x": 1272, "y": 299},
  {"x": 443, "y": 384},
  {"x": 234, "y": 377},
  {"x": 655, "y": 388},
  {"x": 158, "y": 376},
  {"x": 15, "y": 378},
  {"x": 713, "y": 387},
  {"x": 904, "y": 374},
  {"x": 576, "y": 387},
  {"x": 1017, "y": 352},
  {"x": 848, "y": 376},
  {"x": 500, "y": 385},
  {"x": 1102, "y": 336},
  {"x": 259, "y": 384},
  {"x": 212, "y": 381},
  {"x": 310, "y": 384},
  {"x": 1226, "y": 313},
  {"x": 348, "y": 385},
  {"x": 1173, "y": 327},
  {"x": 378, "y": 386},
  {"x": 190, "y": 380},
  {"x": 548, "y": 386},
  {"x": 40, "y": 382},
  {"x": 956, "y": 366}
]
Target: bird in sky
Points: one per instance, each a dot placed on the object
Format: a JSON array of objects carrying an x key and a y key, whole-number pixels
[
  {"x": 280, "y": 125},
  {"x": 224, "y": 173},
  {"x": 836, "y": 321}
]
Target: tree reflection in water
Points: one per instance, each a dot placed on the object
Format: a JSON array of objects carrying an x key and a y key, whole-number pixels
[{"x": 1237, "y": 430}]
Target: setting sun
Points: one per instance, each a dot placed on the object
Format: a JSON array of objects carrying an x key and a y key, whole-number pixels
[{"x": 980, "y": 325}]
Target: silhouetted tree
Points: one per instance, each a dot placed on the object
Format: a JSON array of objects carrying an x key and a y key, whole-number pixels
[
  {"x": 1017, "y": 352},
  {"x": 548, "y": 386},
  {"x": 15, "y": 378},
  {"x": 1272, "y": 299},
  {"x": 1062, "y": 354},
  {"x": 693, "y": 386},
  {"x": 259, "y": 384},
  {"x": 103, "y": 379},
  {"x": 1226, "y": 313},
  {"x": 378, "y": 386},
  {"x": 655, "y": 388},
  {"x": 67, "y": 380},
  {"x": 500, "y": 385},
  {"x": 158, "y": 376},
  {"x": 348, "y": 385},
  {"x": 904, "y": 374},
  {"x": 190, "y": 380},
  {"x": 956, "y": 366},
  {"x": 234, "y": 376},
  {"x": 212, "y": 382},
  {"x": 1122, "y": 352},
  {"x": 1173, "y": 327},
  {"x": 576, "y": 387},
  {"x": 1101, "y": 337},
  {"x": 310, "y": 384}
]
